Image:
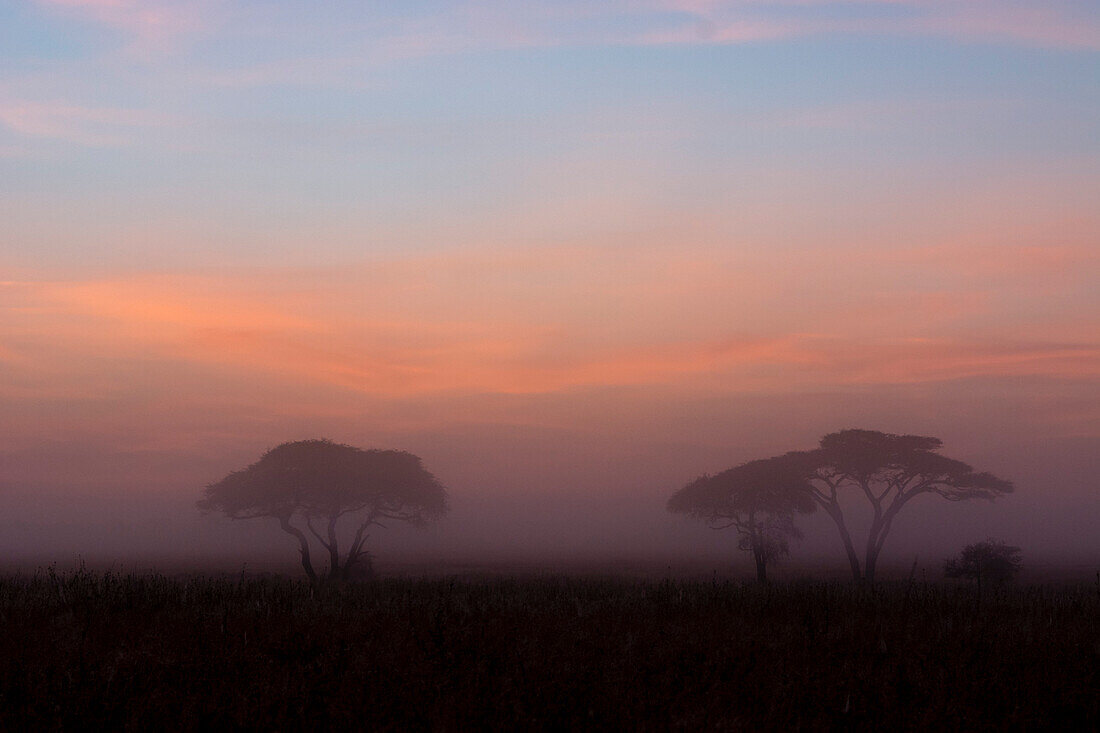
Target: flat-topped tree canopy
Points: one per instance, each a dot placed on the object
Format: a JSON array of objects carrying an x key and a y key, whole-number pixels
[
  {"x": 901, "y": 464},
  {"x": 888, "y": 470},
  {"x": 758, "y": 498},
  {"x": 322, "y": 480},
  {"x": 320, "y": 477},
  {"x": 765, "y": 485}
]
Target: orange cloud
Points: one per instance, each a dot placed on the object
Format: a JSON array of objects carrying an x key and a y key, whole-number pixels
[
  {"x": 532, "y": 321},
  {"x": 1028, "y": 261},
  {"x": 915, "y": 360}
]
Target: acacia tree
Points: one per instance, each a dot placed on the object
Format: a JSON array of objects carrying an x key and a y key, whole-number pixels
[
  {"x": 311, "y": 485},
  {"x": 888, "y": 471},
  {"x": 759, "y": 499}
]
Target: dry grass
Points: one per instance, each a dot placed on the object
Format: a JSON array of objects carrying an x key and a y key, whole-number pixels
[{"x": 86, "y": 650}]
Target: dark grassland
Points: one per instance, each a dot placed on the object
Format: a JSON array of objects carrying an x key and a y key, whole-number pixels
[{"x": 86, "y": 650}]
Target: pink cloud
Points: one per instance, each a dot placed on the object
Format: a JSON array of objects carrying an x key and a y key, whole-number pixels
[
  {"x": 1040, "y": 24},
  {"x": 92, "y": 126},
  {"x": 156, "y": 25},
  {"x": 731, "y": 21},
  {"x": 153, "y": 25},
  {"x": 454, "y": 29}
]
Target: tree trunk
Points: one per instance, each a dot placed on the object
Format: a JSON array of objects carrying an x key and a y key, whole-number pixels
[
  {"x": 761, "y": 565},
  {"x": 303, "y": 546},
  {"x": 334, "y": 572},
  {"x": 846, "y": 538},
  {"x": 870, "y": 559},
  {"x": 879, "y": 530},
  {"x": 869, "y": 566},
  {"x": 979, "y": 608}
]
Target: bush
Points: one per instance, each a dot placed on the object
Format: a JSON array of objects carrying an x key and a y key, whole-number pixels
[{"x": 991, "y": 560}]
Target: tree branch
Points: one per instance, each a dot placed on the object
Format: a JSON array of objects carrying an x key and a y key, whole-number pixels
[
  {"x": 333, "y": 551},
  {"x": 255, "y": 515},
  {"x": 820, "y": 496},
  {"x": 317, "y": 534},
  {"x": 357, "y": 542},
  {"x": 892, "y": 511},
  {"x": 399, "y": 516},
  {"x": 871, "y": 497},
  {"x": 898, "y": 483}
]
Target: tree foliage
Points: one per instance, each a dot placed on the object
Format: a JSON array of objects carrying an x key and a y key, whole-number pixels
[
  {"x": 759, "y": 499},
  {"x": 310, "y": 485},
  {"x": 888, "y": 471},
  {"x": 991, "y": 560}
]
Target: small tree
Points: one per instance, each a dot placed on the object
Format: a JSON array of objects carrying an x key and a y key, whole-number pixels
[
  {"x": 315, "y": 483},
  {"x": 759, "y": 499},
  {"x": 992, "y": 561}
]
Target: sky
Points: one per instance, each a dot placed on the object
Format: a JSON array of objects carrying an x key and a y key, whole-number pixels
[{"x": 572, "y": 254}]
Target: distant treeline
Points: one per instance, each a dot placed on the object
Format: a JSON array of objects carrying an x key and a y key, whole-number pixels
[{"x": 329, "y": 496}]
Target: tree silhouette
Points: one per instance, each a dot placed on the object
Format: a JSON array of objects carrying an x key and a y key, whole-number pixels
[
  {"x": 318, "y": 481},
  {"x": 889, "y": 471},
  {"x": 991, "y": 560},
  {"x": 759, "y": 499}
]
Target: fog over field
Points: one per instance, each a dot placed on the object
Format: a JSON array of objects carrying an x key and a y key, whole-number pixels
[{"x": 562, "y": 498}]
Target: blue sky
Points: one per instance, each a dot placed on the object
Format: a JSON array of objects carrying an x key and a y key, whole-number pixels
[{"x": 272, "y": 121}]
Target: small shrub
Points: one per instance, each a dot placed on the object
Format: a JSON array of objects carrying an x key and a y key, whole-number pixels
[{"x": 991, "y": 561}]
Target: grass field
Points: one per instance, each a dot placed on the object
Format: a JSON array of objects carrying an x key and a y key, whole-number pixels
[{"x": 82, "y": 650}]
